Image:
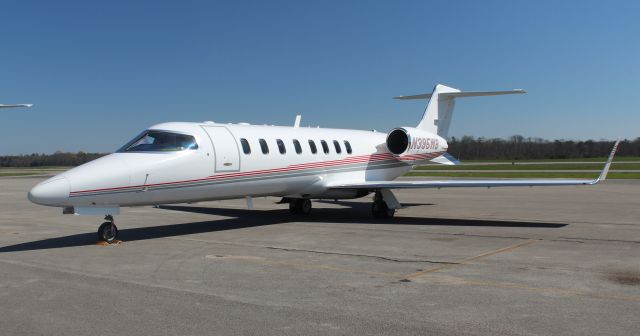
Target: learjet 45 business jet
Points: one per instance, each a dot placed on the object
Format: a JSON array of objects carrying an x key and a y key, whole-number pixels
[{"x": 186, "y": 162}]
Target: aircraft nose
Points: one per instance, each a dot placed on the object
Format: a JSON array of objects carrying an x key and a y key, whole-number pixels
[{"x": 54, "y": 191}]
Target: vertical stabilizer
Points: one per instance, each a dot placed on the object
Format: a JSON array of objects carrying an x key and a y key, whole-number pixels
[{"x": 437, "y": 115}]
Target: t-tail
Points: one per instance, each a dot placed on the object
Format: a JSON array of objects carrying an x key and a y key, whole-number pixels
[{"x": 437, "y": 116}]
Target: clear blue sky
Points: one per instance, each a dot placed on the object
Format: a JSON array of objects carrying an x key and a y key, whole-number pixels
[{"x": 100, "y": 72}]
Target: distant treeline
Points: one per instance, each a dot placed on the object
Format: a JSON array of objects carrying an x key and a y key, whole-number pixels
[
  {"x": 465, "y": 148},
  {"x": 55, "y": 159},
  {"x": 520, "y": 148}
]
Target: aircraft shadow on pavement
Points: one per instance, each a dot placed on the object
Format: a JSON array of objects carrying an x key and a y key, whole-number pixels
[
  {"x": 243, "y": 218},
  {"x": 360, "y": 213},
  {"x": 367, "y": 205}
]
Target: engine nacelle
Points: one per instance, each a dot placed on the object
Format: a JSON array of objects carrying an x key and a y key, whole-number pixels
[{"x": 415, "y": 144}]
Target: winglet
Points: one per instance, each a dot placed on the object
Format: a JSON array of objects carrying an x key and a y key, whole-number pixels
[{"x": 605, "y": 170}]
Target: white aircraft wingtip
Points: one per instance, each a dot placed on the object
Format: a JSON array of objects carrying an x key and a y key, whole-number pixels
[{"x": 605, "y": 170}]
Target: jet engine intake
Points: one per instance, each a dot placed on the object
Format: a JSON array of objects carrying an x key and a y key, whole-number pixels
[{"x": 408, "y": 141}]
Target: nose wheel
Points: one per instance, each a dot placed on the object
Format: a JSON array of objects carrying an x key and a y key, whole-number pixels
[{"x": 108, "y": 231}]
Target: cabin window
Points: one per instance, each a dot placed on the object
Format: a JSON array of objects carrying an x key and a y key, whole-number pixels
[
  {"x": 245, "y": 146},
  {"x": 325, "y": 147},
  {"x": 263, "y": 146},
  {"x": 296, "y": 144},
  {"x": 281, "y": 147},
  {"x": 336, "y": 144},
  {"x": 347, "y": 145},
  {"x": 313, "y": 147},
  {"x": 160, "y": 141}
]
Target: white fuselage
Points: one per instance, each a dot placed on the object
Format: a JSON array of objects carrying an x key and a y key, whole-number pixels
[{"x": 219, "y": 168}]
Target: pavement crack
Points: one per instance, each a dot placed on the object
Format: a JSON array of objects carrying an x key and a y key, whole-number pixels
[
  {"x": 398, "y": 260},
  {"x": 600, "y": 240},
  {"x": 490, "y": 236},
  {"x": 289, "y": 249}
]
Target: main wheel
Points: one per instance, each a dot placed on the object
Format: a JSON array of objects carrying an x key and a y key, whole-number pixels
[
  {"x": 304, "y": 206},
  {"x": 107, "y": 232},
  {"x": 300, "y": 206},
  {"x": 293, "y": 206},
  {"x": 381, "y": 210}
]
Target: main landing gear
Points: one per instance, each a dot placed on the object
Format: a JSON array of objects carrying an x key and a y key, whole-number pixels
[
  {"x": 384, "y": 204},
  {"x": 379, "y": 208},
  {"x": 108, "y": 232},
  {"x": 300, "y": 206}
]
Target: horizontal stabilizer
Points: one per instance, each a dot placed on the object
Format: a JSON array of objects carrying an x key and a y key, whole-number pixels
[
  {"x": 438, "y": 113},
  {"x": 463, "y": 94}
]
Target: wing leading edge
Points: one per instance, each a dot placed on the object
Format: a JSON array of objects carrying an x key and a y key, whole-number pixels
[{"x": 487, "y": 183}]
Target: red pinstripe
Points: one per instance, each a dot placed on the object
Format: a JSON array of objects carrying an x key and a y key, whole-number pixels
[{"x": 302, "y": 166}]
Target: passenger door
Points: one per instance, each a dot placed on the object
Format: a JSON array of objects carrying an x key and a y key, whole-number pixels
[{"x": 227, "y": 156}]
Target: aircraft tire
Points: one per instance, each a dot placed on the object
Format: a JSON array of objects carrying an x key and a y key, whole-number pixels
[
  {"x": 379, "y": 209},
  {"x": 305, "y": 207},
  {"x": 107, "y": 232},
  {"x": 293, "y": 206},
  {"x": 300, "y": 206}
]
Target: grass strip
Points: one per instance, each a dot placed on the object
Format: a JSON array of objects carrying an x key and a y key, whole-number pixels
[
  {"x": 611, "y": 175},
  {"x": 520, "y": 166},
  {"x": 594, "y": 159}
]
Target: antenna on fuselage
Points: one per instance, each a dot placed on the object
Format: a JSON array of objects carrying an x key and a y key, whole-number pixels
[{"x": 296, "y": 123}]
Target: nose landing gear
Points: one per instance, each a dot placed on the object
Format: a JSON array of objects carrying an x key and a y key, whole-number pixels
[{"x": 108, "y": 231}]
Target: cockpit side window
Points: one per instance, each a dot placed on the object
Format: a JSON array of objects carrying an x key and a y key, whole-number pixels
[{"x": 160, "y": 141}]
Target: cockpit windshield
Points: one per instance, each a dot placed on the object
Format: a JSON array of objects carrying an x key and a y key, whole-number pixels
[{"x": 160, "y": 141}]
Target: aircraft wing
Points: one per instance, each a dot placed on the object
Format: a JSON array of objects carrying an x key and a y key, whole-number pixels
[
  {"x": 15, "y": 105},
  {"x": 470, "y": 183}
]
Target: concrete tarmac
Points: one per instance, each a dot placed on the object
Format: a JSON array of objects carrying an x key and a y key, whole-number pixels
[{"x": 510, "y": 261}]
